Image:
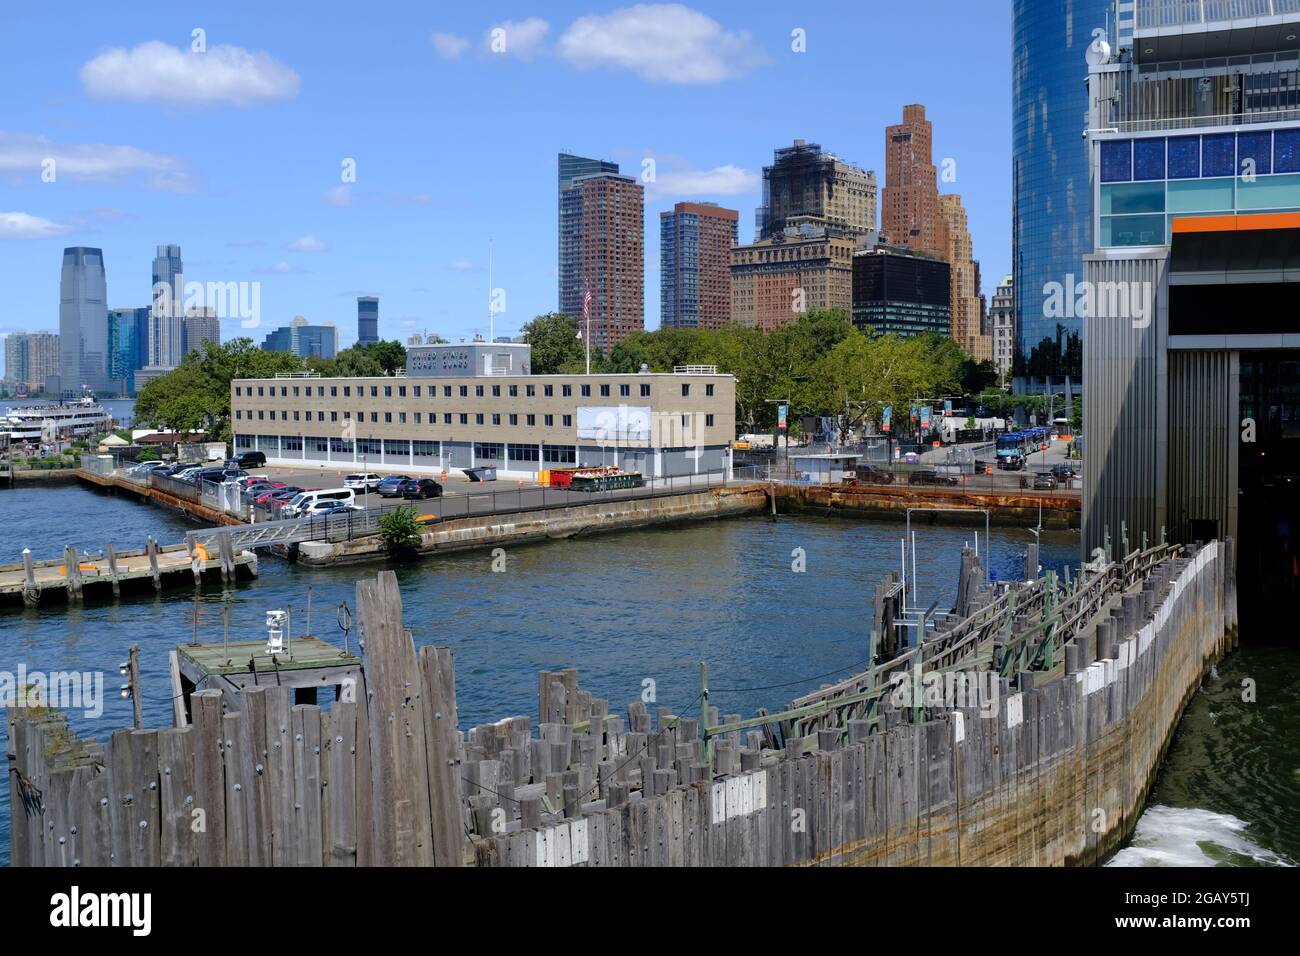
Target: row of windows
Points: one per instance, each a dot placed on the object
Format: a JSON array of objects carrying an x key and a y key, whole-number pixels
[
  {"x": 448, "y": 418},
  {"x": 1194, "y": 157},
  {"x": 530, "y": 391},
  {"x": 552, "y": 454}
]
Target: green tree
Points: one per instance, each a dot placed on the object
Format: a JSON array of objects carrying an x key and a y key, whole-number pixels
[{"x": 555, "y": 344}]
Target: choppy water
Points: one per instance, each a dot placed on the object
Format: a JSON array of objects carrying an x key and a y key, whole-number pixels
[{"x": 622, "y": 608}]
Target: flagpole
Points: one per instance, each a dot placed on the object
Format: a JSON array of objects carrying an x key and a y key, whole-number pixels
[{"x": 588, "y": 342}]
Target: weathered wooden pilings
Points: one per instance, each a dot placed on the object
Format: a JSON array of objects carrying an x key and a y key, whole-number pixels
[{"x": 1050, "y": 774}]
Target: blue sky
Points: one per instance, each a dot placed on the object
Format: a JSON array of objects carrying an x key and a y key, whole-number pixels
[{"x": 237, "y": 154}]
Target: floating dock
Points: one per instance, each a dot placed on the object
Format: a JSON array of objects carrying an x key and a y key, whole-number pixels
[{"x": 78, "y": 575}]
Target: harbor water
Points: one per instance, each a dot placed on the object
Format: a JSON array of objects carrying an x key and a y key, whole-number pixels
[{"x": 637, "y": 611}]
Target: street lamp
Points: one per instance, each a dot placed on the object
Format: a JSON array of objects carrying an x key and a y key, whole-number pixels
[{"x": 783, "y": 426}]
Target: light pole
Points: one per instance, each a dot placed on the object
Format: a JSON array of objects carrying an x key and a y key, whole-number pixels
[{"x": 783, "y": 426}]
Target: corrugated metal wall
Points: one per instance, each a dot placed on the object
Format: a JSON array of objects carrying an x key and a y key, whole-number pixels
[
  {"x": 1124, "y": 408},
  {"x": 1203, "y": 436}
]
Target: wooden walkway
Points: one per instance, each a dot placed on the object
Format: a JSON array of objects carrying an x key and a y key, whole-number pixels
[{"x": 77, "y": 575}]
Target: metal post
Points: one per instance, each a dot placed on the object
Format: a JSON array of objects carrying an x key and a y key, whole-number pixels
[{"x": 704, "y": 715}]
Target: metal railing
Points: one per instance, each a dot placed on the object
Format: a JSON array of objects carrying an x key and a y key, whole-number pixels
[
  {"x": 1199, "y": 122},
  {"x": 1152, "y": 14},
  {"x": 473, "y": 504}
]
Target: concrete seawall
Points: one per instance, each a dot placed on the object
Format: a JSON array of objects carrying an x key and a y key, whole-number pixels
[
  {"x": 892, "y": 501},
  {"x": 491, "y": 531}
]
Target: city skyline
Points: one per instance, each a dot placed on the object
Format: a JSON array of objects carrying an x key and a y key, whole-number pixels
[{"x": 415, "y": 225}]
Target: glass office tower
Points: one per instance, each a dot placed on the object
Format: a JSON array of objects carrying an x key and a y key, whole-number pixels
[
  {"x": 83, "y": 322},
  {"x": 1050, "y": 191},
  {"x": 367, "y": 319}
]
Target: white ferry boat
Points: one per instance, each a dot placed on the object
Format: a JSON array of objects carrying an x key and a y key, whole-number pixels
[{"x": 55, "y": 421}]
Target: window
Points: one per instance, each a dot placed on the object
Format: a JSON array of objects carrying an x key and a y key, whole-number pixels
[
  {"x": 244, "y": 441},
  {"x": 559, "y": 454},
  {"x": 388, "y": 417},
  {"x": 417, "y": 417},
  {"x": 514, "y": 419},
  {"x": 464, "y": 418},
  {"x": 489, "y": 450},
  {"x": 523, "y": 452},
  {"x": 396, "y": 447},
  {"x": 260, "y": 416},
  {"x": 496, "y": 418},
  {"x": 401, "y": 392},
  {"x": 446, "y": 418},
  {"x": 568, "y": 421},
  {"x": 686, "y": 421},
  {"x": 374, "y": 391},
  {"x": 334, "y": 416},
  {"x": 496, "y": 391},
  {"x": 291, "y": 443},
  {"x": 478, "y": 418},
  {"x": 531, "y": 390},
  {"x": 464, "y": 391},
  {"x": 388, "y": 391},
  {"x": 549, "y": 390},
  {"x": 548, "y": 420},
  {"x": 531, "y": 420},
  {"x": 239, "y": 413},
  {"x": 565, "y": 391},
  {"x": 424, "y": 449},
  {"x": 368, "y": 447},
  {"x": 415, "y": 391},
  {"x": 295, "y": 415},
  {"x": 320, "y": 416},
  {"x": 645, "y": 391},
  {"x": 478, "y": 391},
  {"x": 334, "y": 391},
  {"x": 446, "y": 391},
  {"x": 586, "y": 391},
  {"x": 340, "y": 446},
  {"x": 259, "y": 391},
  {"x": 624, "y": 391},
  {"x": 604, "y": 391},
  {"x": 686, "y": 390},
  {"x": 239, "y": 390},
  {"x": 374, "y": 416},
  {"x": 708, "y": 421},
  {"x": 295, "y": 391},
  {"x": 284, "y": 391},
  {"x": 347, "y": 391},
  {"x": 708, "y": 390},
  {"x": 514, "y": 391}
]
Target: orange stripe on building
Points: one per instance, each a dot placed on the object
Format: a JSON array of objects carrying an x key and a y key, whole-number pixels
[{"x": 1237, "y": 223}]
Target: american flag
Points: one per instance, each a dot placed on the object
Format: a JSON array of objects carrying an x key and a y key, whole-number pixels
[{"x": 586, "y": 304}]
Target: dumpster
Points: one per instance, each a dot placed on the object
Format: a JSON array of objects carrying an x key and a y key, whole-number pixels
[
  {"x": 607, "y": 482},
  {"x": 481, "y": 474}
]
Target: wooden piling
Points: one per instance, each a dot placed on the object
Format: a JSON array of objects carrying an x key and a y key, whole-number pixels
[
  {"x": 112, "y": 571},
  {"x": 72, "y": 571}
]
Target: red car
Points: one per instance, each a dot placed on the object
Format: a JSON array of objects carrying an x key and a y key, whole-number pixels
[{"x": 265, "y": 495}]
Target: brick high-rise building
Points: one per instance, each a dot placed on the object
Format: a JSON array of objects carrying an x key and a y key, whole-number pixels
[
  {"x": 805, "y": 269},
  {"x": 602, "y": 219},
  {"x": 805, "y": 182},
  {"x": 966, "y": 310},
  {"x": 31, "y": 358},
  {"x": 695, "y": 241},
  {"x": 910, "y": 215}
]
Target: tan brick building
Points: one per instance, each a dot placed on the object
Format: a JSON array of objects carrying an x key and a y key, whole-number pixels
[
  {"x": 602, "y": 222},
  {"x": 966, "y": 305},
  {"x": 803, "y": 181},
  {"x": 774, "y": 280},
  {"x": 695, "y": 241},
  {"x": 656, "y": 424}
]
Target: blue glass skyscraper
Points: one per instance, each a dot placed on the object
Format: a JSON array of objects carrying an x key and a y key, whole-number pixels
[
  {"x": 1050, "y": 189},
  {"x": 83, "y": 322}
]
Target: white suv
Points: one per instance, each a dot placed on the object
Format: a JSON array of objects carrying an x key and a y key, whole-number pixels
[{"x": 362, "y": 482}]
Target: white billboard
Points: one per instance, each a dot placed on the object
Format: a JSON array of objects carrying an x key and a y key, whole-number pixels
[{"x": 614, "y": 423}]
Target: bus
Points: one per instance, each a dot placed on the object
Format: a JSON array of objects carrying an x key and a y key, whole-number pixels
[{"x": 1014, "y": 447}]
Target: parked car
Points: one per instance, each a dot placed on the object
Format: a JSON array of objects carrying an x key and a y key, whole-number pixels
[
  {"x": 266, "y": 496},
  {"x": 1064, "y": 473},
  {"x": 420, "y": 488},
  {"x": 248, "y": 479},
  {"x": 928, "y": 476},
  {"x": 298, "y": 505},
  {"x": 249, "y": 459},
  {"x": 391, "y": 486},
  {"x": 362, "y": 482},
  {"x": 329, "y": 507},
  {"x": 871, "y": 475},
  {"x": 1045, "y": 481}
]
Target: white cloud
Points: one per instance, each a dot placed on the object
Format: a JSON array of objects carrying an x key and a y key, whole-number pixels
[
  {"x": 448, "y": 45},
  {"x": 28, "y": 155},
  {"x": 280, "y": 269},
  {"x": 728, "y": 180},
  {"x": 307, "y": 244},
  {"x": 661, "y": 43},
  {"x": 521, "y": 38},
  {"x": 339, "y": 196},
  {"x": 154, "y": 72},
  {"x": 19, "y": 225},
  {"x": 464, "y": 265}
]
